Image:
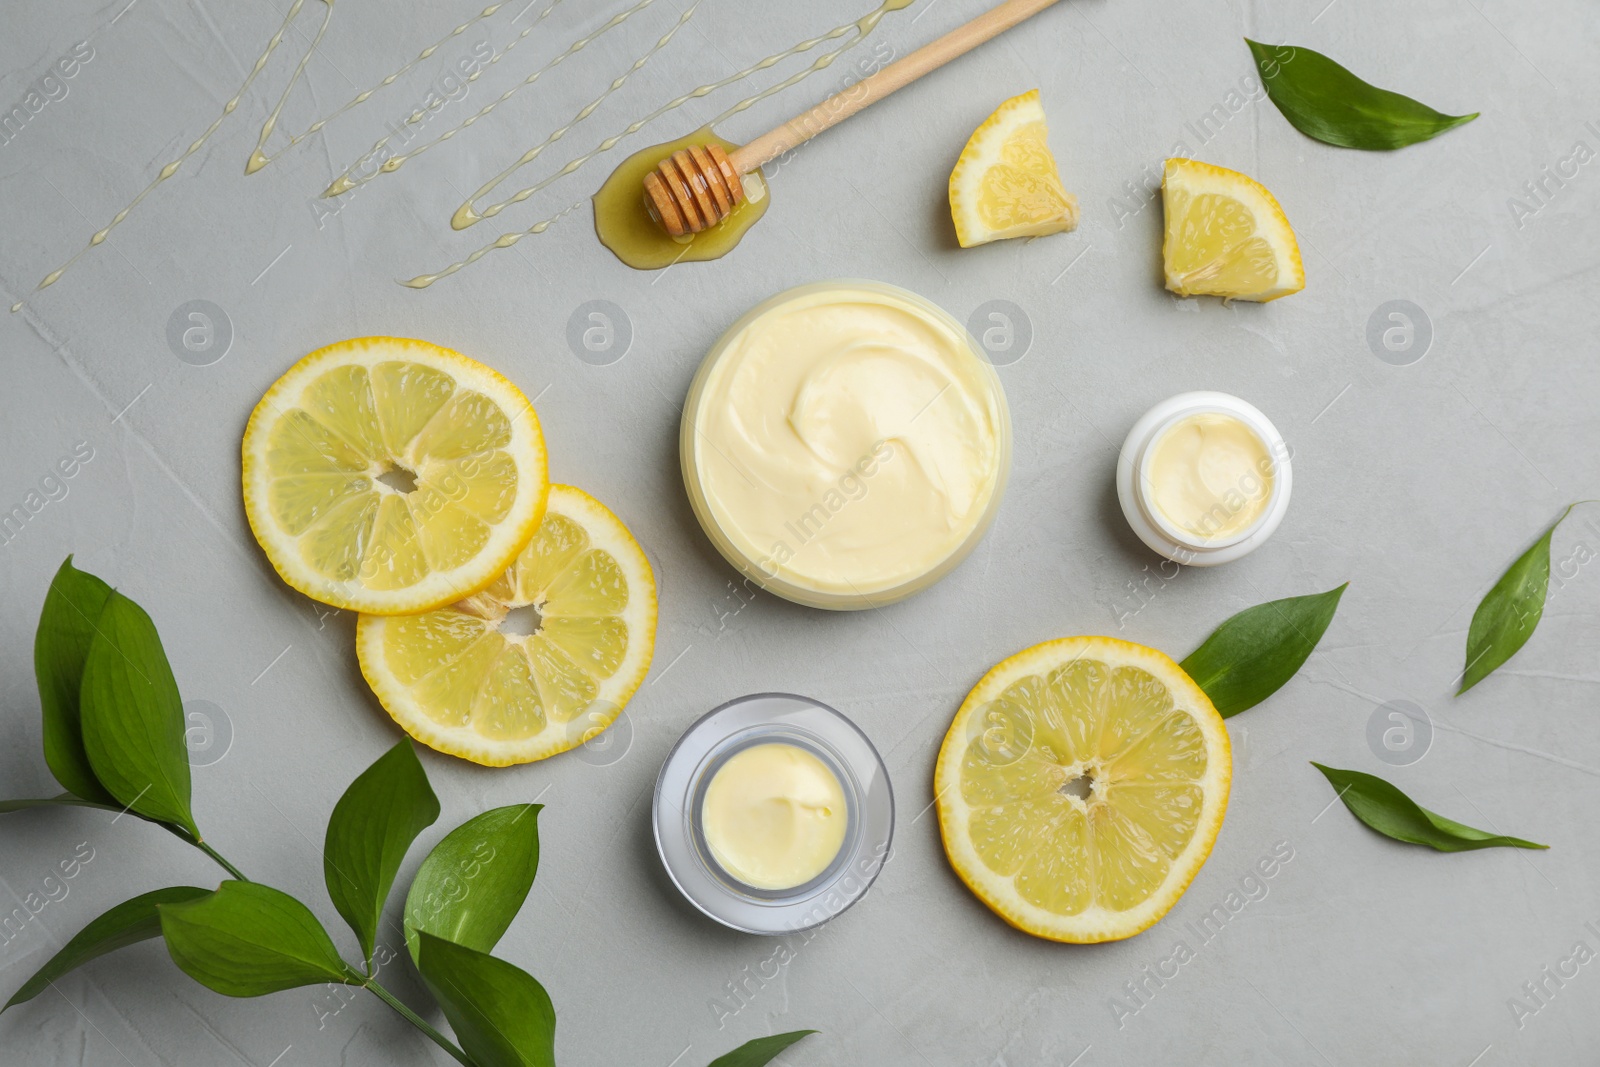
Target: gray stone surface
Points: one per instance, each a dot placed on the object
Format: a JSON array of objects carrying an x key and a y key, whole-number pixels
[{"x": 1417, "y": 483}]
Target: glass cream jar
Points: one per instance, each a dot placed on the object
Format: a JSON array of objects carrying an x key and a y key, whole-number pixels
[
  {"x": 845, "y": 444},
  {"x": 1204, "y": 478},
  {"x": 684, "y": 799}
]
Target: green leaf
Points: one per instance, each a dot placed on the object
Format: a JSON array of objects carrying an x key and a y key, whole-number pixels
[
  {"x": 66, "y": 625},
  {"x": 501, "y": 1014},
  {"x": 1326, "y": 102},
  {"x": 474, "y": 881},
  {"x": 1507, "y": 615},
  {"x": 1390, "y": 812},
  {"x": 1251, "y": 656},
  {"x": 248, "y": 939},
  {"x": 760, "y": 1051},
  {"x": 371, "y": 828},
  {"x": 64, "y": 800},
  {"x": 133, "y": 717},
  {"x": 128, "y": 923}
]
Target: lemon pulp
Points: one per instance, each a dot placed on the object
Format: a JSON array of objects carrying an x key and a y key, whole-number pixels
[
  {"x": 466, "y": 680},
  {"x": 1081, "y": 786},
  {"x": 1226, "y": 235},
  {"x": 1005, "y": 183},
  {"x": 391, "y": 475}
]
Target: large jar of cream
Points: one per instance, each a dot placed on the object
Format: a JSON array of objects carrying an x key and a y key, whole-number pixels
[{"x": 845, "y": 444}]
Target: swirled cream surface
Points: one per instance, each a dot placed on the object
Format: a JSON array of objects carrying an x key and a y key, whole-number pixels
[
  {"x": 848, "y": 440},
  {"x": 1211, "y": 476},
  {"x": 774, "y": 816}
]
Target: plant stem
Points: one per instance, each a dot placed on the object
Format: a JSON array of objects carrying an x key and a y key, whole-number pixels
[
  {"x": 368, "y": 981},
  {"x": 183, "y": 835},
  {"x": 416, "y": 1020},
  {"x": 221, "y": 860}
]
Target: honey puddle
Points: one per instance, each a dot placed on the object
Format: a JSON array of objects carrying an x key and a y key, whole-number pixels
[{"x": 624, "y": 226}]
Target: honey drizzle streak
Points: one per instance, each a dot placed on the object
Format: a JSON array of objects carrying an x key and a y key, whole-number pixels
[
  {"x": 259, "y": 158},
  {"x": 344, "y": 183},
  {"x": 464, "y": 216},
  {"x": 467, "y": 214},
  {"x": 862, "y": 28},
  {"x": 170, "y": 169}
]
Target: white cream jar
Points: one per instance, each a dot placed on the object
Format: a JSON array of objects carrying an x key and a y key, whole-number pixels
[{"x": 1204, "y": 478}]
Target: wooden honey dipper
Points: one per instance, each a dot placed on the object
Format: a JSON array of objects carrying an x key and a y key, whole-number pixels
[{"x": 697, "y": 187}]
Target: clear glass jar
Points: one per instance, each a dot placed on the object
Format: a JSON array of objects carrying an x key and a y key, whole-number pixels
[
  {"x": 678, "y": 807},
  {"x": 761, "y": 571}
]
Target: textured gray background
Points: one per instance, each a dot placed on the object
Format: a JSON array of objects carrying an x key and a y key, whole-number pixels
[{"x": 1417, "y": 483}]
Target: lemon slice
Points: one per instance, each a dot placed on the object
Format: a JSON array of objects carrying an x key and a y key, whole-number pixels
[
  {"x": 1081, "y": 786},
  {"x": 388, "y": 475},
  {"x": 1005, "y": 184},
  {"x": 1226, "y": 236},
  {"x": 485, "y": 680}
]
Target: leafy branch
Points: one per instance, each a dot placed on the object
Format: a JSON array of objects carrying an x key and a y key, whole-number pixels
[{"x": 113, "y": 739}]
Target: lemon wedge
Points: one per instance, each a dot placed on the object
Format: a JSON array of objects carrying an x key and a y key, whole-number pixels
[
  {"x": 388, "y": 475},
  {"x": 485, "y": 680},
  {"x": 1081, "y": 786},
  {"x": 1005, "y": 183},
  {"x": 1226, "y": 235}
]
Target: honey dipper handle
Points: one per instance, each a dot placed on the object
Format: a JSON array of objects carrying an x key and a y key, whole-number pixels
[{"x": 897, "y": 75}]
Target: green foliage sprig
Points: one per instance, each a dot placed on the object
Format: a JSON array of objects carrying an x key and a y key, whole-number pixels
[{"x": 113, "y": 739}]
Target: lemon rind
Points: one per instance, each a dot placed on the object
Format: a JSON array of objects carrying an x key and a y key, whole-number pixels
[{"x": 1095, "y": 923}]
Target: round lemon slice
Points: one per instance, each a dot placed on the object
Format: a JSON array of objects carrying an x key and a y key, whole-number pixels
[
  {"x": 1226, "y": 235},
  {"x": 1081, "y": 786},
  {"x": 388, "y": 475},
  {"x": 542, "y": 660},
  {"x": 1005, "y": 183}
]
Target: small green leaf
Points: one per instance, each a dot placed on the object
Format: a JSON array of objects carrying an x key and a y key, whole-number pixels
[
  {"x": 760, "y": 1051},
  {"x": 501, "y": 1014},
  {"x": 1383, "y": 807},
  {"x": 1507, "y": 615},
  {"x": 128, "y": 923},
  {"x": 133, "y": 717},
  {"x": 372, "y": 827},
  {"x": 474, "y": 881},
  {"x": 64, "y": 800},
  {"x": 66, "y": 625},
  {"x": 248, "y": 939},
  {"x": 1251, "y": 656},
  {"x": 1326, "y": 102}
]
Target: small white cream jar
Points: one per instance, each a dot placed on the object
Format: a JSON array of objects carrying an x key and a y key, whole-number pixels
[{"x": 1204, "y": 478}]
